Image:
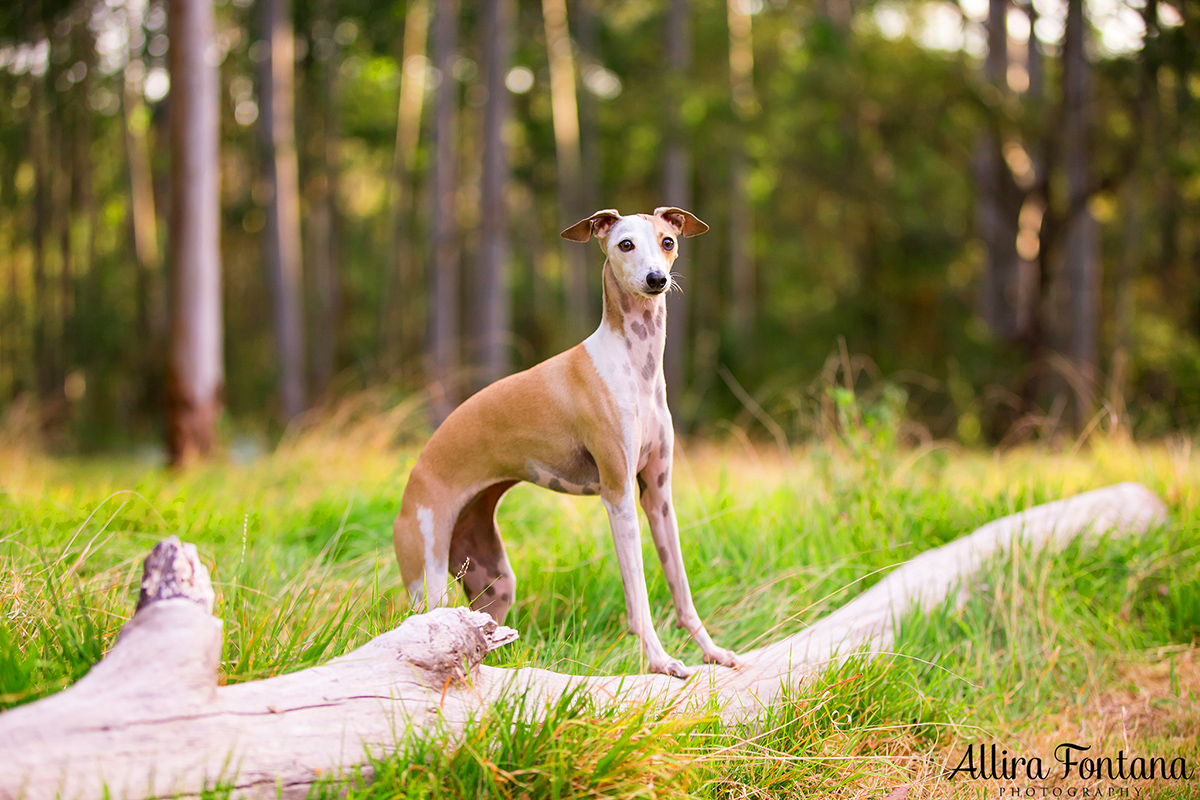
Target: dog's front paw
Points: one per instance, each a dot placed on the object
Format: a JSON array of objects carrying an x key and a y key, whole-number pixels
[
  {"x": 726, "y": 658},
  {"x": 673, "y": 667}
]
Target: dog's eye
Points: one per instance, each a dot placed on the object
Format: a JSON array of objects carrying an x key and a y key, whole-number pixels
[
  {"x": 626, "y": 245},
  {"x": 668, "y": 243}
]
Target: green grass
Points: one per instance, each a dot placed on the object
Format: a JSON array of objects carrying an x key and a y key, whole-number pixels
[{"x": 1045, "y": 649}]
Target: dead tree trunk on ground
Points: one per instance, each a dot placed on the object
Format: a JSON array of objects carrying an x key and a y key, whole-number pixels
[{"x": 150, "y": 720}]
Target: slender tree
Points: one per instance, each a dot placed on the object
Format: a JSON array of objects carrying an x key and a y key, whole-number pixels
[
  {"x": 196, "y": 371},
  {"x": 677, "y": 185},
  {"x": 999, "y": 197},
  {"x": 39, "y": 135},
  {"x": 444, "y": 280},
  {"x": 741, "y": 213},
  {"x": 565, "y": 111},
  {"x": 281, "y": 236},
  {"x": 491, "y": 326},
  {"x": 1081, "y": 265},
  {"x": 588, "y": 39},
  {"x": 837, "y": 13},
  {"x": 1028, "y": 281},
  {"x": 1144, "y": 116},
  {"x": 152, "y": 316},
  {"x": 324, "y": 218},
  {"x": 398, "y": 335}
]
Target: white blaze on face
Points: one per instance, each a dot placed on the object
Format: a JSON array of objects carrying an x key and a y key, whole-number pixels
[{"x": 631, "y": 267}]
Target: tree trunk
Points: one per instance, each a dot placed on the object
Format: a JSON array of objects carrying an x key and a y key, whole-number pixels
[
  {"x": 399, "y": 336},
  {"x": 61, "y": 168},
  {"x": 677, "y": 180},
  {"x": 1145, "y": 119},
  {"x": 325, "y": 220},
  {"x": 152, "y": 315},
  {"x": 741, "y": 214},
  {"x": 150, "y": 719},
  {"x": 587, "y": 37},
  {"x": 565, "y": 111},
  {"x": 492, "y": 325},
  {"x": 38, "y": 142},
  {"x": 999, "y": 202},
  {"x": 444, "y": 280},
  {"x": 83, "y": 219},
  {"x": 196, "y": 373},
  {"x": 1081, "y": 266},
  {"x": 838, "y": 13},
  {"x": 281, "y": 236},
  {"x": 1033, "y": 203}
]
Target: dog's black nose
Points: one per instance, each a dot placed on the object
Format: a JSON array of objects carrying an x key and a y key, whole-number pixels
[{"x": 656, "y": 281}]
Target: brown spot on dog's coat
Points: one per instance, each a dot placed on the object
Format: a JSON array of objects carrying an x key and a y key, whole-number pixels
[
  {"x": 666, "y": 509},
  {"x": 648, "y": 367},
  {"x": 662, "y": 478},
  {"x": 639, "y": 329}
]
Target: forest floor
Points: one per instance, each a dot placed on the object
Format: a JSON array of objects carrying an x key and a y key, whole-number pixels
[{"x": 1099, "y": 645}]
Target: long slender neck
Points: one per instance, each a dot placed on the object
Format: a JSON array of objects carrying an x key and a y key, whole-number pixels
[{"x": 640, "y": 321}]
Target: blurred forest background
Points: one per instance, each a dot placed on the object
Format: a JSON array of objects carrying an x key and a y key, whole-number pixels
[{"x": 981, "y": 218}]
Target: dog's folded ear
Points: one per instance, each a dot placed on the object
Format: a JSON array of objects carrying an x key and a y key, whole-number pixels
[
  {"x": 597, "y": 225},
  {"x": 685, "y": 223}
]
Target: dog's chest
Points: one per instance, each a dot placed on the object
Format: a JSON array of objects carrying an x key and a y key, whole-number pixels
[
  {"x": 630, "y": 364},
  {"x": 645, "y": 389}
]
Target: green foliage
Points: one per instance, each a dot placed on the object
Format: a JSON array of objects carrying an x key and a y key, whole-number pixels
[
  {"x": 861, "y": 155},
  {"x": 574, "y": 750},
  {"x": 298, "y": 545}
]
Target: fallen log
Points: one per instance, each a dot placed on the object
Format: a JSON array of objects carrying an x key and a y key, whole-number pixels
[{"x": 149, "y": 720}]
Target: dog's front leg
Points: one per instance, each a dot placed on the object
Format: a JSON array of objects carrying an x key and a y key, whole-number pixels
[
  {"x": 664, "y": 529},
  {"x": 622, "y": 517}
]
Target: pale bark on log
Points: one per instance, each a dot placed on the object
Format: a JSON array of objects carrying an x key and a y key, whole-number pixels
[{"x": 150, "y": 719}]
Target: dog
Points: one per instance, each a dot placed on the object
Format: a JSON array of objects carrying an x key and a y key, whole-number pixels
[{"x": 592, "y": 420}]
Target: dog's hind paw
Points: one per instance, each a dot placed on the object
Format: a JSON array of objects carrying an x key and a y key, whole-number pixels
[
  {"x": 726, "y": 658},
  {"x": 673, "y": 667}
]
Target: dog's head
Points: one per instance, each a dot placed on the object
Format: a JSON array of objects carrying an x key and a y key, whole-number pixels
[{"x": 640, "y": 247}]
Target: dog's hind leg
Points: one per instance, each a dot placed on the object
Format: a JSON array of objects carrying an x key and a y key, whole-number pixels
[
  {"x": 421, "y": 535},
  {"x": 477, "y": 556}
]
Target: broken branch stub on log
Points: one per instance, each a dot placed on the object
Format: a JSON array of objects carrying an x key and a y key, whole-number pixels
[{"x": 150, "y": 720}]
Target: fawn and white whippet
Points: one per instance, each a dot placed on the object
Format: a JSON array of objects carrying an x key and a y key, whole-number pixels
[{"x": 592, "y": 420}]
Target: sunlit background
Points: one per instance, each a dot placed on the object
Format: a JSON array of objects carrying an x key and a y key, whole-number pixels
[{"x": 910, "y": 217}]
